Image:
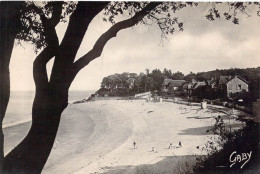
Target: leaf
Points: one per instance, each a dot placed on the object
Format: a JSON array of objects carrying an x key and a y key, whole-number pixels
[
  {"x": 235, "y": 20},
  {"x": 217, "y": 14},
  {"x": 180, "y": 25},
  {"x": 210, "y": 16},
  {"x": 120, "y": 11}
]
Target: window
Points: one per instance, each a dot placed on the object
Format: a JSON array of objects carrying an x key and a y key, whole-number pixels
[{"x": 239, "y": 87}]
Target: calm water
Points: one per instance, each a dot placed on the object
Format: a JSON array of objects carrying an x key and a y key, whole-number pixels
[{"x": 20, "y": 105}]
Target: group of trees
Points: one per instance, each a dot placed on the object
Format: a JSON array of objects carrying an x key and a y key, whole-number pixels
[
  {"x": 152, "y": 81},
  {"x": 133, "y": 83},
  {"x": 36, "y": 23},
  {"x": 175, "y": 76}
]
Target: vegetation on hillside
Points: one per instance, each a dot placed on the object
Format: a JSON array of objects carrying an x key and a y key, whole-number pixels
[{"x": 152, "y": 80}]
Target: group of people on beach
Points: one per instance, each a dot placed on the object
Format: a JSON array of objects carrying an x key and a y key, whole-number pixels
[
  {"x": 171, "y": 146},
  {"x": 154, "y": 150}
]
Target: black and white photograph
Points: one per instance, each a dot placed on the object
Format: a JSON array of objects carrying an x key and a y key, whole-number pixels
[{"x": 129, "y": 87}]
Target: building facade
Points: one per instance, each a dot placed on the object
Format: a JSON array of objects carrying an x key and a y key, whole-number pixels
[{"x": 236, "y": 84}]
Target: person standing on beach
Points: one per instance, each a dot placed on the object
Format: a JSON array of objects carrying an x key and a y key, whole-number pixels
[
  {"x": 170, "y": 146},
  {"x": 134, "y": 143},
  {"x": 154, "y": 150},
  {"x": 180, "y": 144}
]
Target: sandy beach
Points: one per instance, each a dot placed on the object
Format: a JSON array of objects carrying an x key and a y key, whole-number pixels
[{"x": 97, "y": 137}]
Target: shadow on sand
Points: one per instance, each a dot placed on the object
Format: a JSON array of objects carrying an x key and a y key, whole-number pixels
[
  {"x": 168, "y": 165},
  {"x": 203, "y": 130}
]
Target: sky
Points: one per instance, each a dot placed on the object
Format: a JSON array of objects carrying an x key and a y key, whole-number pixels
[{"x": 202, "y": 46}]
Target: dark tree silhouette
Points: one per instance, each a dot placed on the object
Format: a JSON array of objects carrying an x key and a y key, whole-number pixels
[
  {"x": 16, "y": 22},
  {"x": 167, "y": 73},
  {"x": 51, "y": 96},
  {"x": 9, "y": 27},
  {"x": 178, "y": 76},
  {"x": 158, "y": 78}
]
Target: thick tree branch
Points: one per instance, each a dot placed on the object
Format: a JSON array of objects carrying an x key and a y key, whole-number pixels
[
  {"x": 78, "y": 25},
  {"x": 51, "y": 38},
  {"x": 112, "y": 32},
  {"x": 56, "y": 15},
  {"x": 39, "y": 66}
]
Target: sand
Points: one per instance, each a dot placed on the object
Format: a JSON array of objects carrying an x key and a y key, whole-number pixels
[{"x": 98, "y": 137}]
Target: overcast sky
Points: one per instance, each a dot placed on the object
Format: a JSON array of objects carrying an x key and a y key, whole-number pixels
[{"x": 202, "y": 46}]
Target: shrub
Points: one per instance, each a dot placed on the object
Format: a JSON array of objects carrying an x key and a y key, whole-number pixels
[{"x": 222, "y": 146}]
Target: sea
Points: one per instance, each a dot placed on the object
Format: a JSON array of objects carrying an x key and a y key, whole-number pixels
[{"x": 20, "y": 105}]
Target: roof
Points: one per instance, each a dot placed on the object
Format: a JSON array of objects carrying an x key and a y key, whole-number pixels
[
  {"x": 173, "y": 83},
  {"x": 223, "y": 80},
  {"x": 187, "y": 85},
  {"x": 236, "y": 76},
  {"x": 166, "y": 82},
  {"x": 193, "y": 81},
  {"x": 226, "y": 79},
  {"x": 177, "y": 83},
  {"x": 198, "y": 84}
]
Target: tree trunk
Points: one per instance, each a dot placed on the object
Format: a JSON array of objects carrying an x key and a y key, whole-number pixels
[
  {"x": 9, "y": 26},
  {"x": 32, "y": 153},
  {"x": 4, "y": 99}
]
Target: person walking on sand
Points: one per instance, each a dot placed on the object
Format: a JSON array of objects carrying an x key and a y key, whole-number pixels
[
  {"x": 153, "y": 150},
  {"x": 134, "y": 143},
  {"x": 170, "y": 146},
  {"x": 180, "y": 144}
]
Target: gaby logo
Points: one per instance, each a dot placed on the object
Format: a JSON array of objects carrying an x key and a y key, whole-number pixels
[{"x": 239, "y": 158}]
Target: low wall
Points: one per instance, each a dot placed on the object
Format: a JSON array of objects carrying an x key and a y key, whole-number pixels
[{"x": 143, "y": 95}]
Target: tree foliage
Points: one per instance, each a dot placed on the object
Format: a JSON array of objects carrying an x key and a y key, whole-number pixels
[
  {"x": 32, "y": 17},
  {"x": 164, "y": 15}
]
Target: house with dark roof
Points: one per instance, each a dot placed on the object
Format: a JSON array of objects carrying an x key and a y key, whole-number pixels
[
  {"x": 223, "y": 79},
  {"x": 172, "y": 85},
  {"x": 188, "y": 86},
  {"x": 198, "y": 88},
  {"x": 223, "y": 86},
  {"x": 229, "y": 85},
  {"x": 198, "y": 84}
]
